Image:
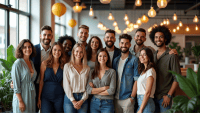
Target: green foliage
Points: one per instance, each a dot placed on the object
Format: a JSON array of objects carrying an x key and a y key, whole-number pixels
[
  {"x": 191, "y": 86},
  {"x": 196, "y": 52},
  {"x": 187, "y": 51},
  {"x": 174, "y": 45}
]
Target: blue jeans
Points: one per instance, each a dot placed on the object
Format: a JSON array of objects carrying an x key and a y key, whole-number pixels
[
  {"x": 150, "y": 106},
  {"x": 159, "y": 107},
  {"x": 101, "y": 105},
  {"x": 69, "y": 107}
]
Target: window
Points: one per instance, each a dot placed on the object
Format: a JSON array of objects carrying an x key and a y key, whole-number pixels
[{"x": 60, "y": 26}]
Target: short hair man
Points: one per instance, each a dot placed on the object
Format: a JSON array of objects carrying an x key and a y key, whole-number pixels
[
  {"x": 83, "y": 33},
  {"x": 126, "y": 67},
  {"x": 109, "y": 40},
  {"x": 165, "y": 82}
]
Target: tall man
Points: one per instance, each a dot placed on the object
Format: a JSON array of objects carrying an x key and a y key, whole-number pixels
[
  {"x": 126, "y": 67},
  {"x": 166, "y": 83},
  {"x": 109, "y": 40},
  {"x": 83, "y": 33}
]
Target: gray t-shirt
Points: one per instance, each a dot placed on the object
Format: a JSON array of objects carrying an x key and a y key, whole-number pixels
[{"x": 108, "y": 79}]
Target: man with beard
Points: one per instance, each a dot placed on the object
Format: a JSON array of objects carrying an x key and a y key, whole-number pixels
[
  {"x": 166, "y": 83},
  {"x": 126, "y": 67},
  {"x": 109, "y": 40},
  {"x": 140, "y": 38},
  {"x": 83, "y": 33}
]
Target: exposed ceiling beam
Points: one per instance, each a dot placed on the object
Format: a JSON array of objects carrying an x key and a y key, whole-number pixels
[
  {"x": 196, "y": 5},
  {"x": 157, "y": 10}
]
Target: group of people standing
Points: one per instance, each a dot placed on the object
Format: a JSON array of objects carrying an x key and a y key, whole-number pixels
[{"x": 84, "y": 77}]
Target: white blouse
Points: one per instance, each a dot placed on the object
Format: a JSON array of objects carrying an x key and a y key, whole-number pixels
[{"x": 73, "y": 82}]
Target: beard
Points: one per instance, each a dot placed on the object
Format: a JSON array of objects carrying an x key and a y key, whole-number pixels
[
  {"x": 139, "y": 43},
  {"x": 83, "y": 38},
  {"x": 46, "y": 42},
  {"x": 162, "y": 44},
  {"x": 124, "y": 51},
  {"x": 109, "y": 46}
]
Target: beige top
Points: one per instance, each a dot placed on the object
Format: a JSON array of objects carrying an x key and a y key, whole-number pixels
[{"x": 73, "y": 82}]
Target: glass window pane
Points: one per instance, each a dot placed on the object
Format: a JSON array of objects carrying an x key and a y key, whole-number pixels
[
  {"x": 2, "y": 36},
  {"x": 13, "y": 3},
  {"x": 57, "y": 20},
  {"x": 13, "y": 29},
  {"x": 57, "y": 34},
  {"x": 23, "y": 5},
  {"x": 62, "y": 30},
  {"x": 2, "y": 1},
  {"x": 23, "y": 27}
]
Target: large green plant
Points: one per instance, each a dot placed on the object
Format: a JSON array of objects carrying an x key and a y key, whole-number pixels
[
  {"x": 191, "y": 86},
  {"x": 187, "y": 51},
  {"x": 196, "y": 52},
  {"x": 6, "y": 93},
  {"x": 174, "y": 45}
]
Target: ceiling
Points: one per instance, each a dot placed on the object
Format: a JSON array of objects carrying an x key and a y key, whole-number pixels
[{"x": 129, "y": 5}]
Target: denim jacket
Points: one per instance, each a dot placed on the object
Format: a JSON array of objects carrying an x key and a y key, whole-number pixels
[{"x": 129, "y": 75}]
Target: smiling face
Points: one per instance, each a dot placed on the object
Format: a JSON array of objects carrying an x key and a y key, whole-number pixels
[
  {"x": 140, "y": 38},
  {"x": 143, "y": 57},
  {"x": 27, "y": 49},
  {"x": 94, "y": 44},
  {"x": 56, "y": 51},
  {"x": 124, "y": 45},
  {"x": 67, "y": 45},
  {"x": 78, "y": 53},
  {"x": 159, "y": 39},
  {"x": 109, "y": 39},
  {"x": 46, "y": 37},
  {"x": 83, "y": 34},
  {"x": 102, "y": 57}
]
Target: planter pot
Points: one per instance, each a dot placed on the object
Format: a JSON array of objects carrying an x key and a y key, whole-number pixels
[
  {"x": 186, "y": 60},
  {"x": 196, "y": 66}
]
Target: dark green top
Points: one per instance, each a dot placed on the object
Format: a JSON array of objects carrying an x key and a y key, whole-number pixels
[{"x": 164, "y": 79}]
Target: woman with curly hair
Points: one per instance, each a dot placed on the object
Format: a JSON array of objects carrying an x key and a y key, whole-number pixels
[
  {"x": 93, "y": 46},
  {"x": 146, "y": 83},
  {"x": 75, "y": 78},
  {"x": 23, "y": 76},
  {"x": 51, "y": 93}
]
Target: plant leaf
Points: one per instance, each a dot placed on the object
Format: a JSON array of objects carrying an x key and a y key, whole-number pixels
[
  {"x": 198, "y": 80},
  {"x": 192, "y": 76},
  {"x": 185, "y": 85}
]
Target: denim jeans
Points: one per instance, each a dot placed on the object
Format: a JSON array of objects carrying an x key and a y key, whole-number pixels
[
  {"x": 159, "y": 107},
  {"x": 150, "y": 106},
  {"x": 101, "y": 105},
  {"x": 69, "y": 107}
]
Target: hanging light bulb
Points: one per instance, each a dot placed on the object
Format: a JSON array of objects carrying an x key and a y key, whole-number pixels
[
  {"x": 161, "y": 24},
  {"x": 195, "y": 19},
  {"x": 100, "y": 25},
  {"x": 144, "y": 19},
  {"x": 196, "y": 28},
  {"x": 91, "y": 13},
  {"x": 125, "y": 17},
  {"x": 115, "y": 23},
  {"x": 151, "y": 12},
  {"x": 174, "y": 30},
  {"x": 168, "y": 22},
  {"x": 155, "y": 25},
  {"x": 164, "y": 22},
  {"x": 83, "y": 5},
  {"x": 180, "y": 24},
  {"x": 175, "y": 17},
  {"x": 139, "y": 22},
  {"x": 149, "y": 30},
  {"x": 162, "y": 3},
  {"x": 110, "y": 17},
  {"x": 105, "y": 1},
  {"x": 138, "y": 2},
  {"x": 127, "y": 22},
  {"x": 136, "y": 26},
  {"x": 187, "y": 29},
  {"x": 130, "y": 25},
  {"x": 124, "y": 31},
  {"x": 77, "y": 8},
  {"x": 177, "y": 27},
  {"x": 116, "y": 28}
]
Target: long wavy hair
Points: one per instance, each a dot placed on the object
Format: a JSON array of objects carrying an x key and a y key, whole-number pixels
[
  {"x": 150, "y": 64},
  {"x": 95, "y": 73},
  {"x": 89, "y": 49},
  {"x": 50, "y": 59},
  {"x": 84, "y": 59}
]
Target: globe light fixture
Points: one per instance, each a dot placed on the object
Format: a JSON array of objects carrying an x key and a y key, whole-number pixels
[
  {"x": 164, "y": 21},
  {"x": 187, "y": 29},
  {"x": 195, "y": 20},
  {"x": 168, "y": 22},
  {"x": 77, "y": 8},
  {"x": 139, "y": 22},
  {"x": 177, "y": 28},
  {"x": 91, "y": 13},
  {"x": 100, "y": 25},
  {"x": 115, "y": 23},
  {"x": 125, "y": 17},
  {"x": 110, "y": 17},
  {"x": 175, "y": 17},
  {"x": 161, "y": 24},
  {"x": 174, "y": 30},
  {"x": 180, "y": 24},
  {"x": 151, "y": 12},
  {"x": 196, "y": 28},
  {"x": 138, "y": 2},
  {"x": 144, "y": 19},
  {"x": 127, "y": 22},
  {"x": 105, "y": 1},
  {"x": 162, "y": 3}
]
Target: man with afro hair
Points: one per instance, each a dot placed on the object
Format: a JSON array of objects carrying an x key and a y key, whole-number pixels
[{"x": 166, "y": 83}]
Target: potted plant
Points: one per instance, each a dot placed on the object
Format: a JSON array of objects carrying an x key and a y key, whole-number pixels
[
  {"x": 6, "y": 93},
  {"x": 187, "y": 53},
  {"x": 174, "y": 45},
  {"x": 196, "y": 52},
  {"x": 191, "y": 86}
]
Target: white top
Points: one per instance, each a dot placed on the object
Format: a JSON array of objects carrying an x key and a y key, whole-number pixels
[
  {"x": 119, "y": 73},
  {"x": 91, "y": 64},
  {"x": 73, "y": 82},
  {"x": 142, "y": 81},
  {"x": 111, "y": 54}
]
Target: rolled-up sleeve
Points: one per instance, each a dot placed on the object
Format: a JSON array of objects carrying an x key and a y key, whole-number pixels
[
  {"x": 16, "y": 77},
  {"x": 66, "y": 83},
  {"x": 111, "y": 90},
  {"x": 136, "y": 74}
]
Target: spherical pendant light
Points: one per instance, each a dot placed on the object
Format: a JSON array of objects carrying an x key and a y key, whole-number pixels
[
  {"x": 180, "y": 24},
  {"x": 187, "y": 29},
  {"x": 77, "y": 8},
  {"x": 151, "y": 12},
  {"x": 110, "y": 17},
  {"x": 195, "y": 19},
  {"x": 105, "y": 1},
  {"x": 138, "y": 2},
  {"x": 162, "y": 3},
  {"x": 144, "y": 19}
]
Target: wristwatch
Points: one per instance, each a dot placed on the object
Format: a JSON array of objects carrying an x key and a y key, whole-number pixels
[
  {"x": 133, "y": 98},
  {"x": 169, "y": 96}
]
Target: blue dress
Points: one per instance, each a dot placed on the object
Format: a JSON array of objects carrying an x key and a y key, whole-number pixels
[{"x": 52, "y": 93}]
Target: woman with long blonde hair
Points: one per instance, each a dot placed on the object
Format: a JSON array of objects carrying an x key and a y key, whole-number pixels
[{"x": 75, "y": 78}]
